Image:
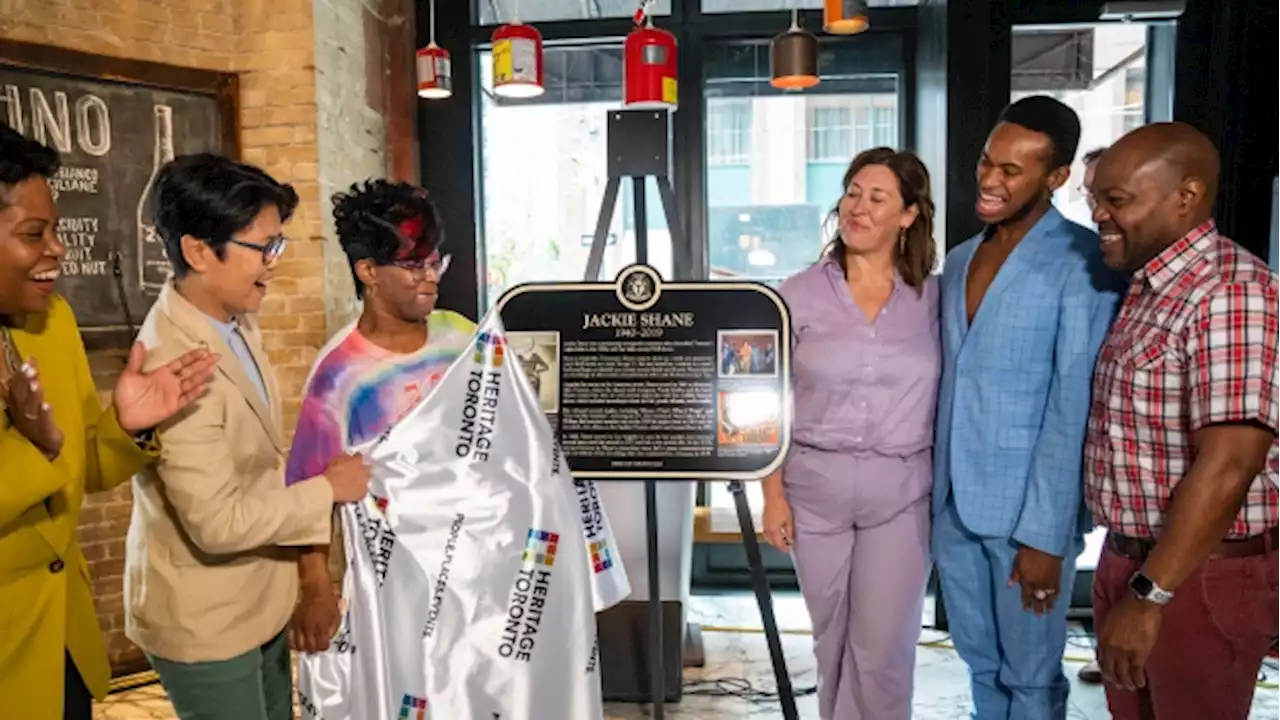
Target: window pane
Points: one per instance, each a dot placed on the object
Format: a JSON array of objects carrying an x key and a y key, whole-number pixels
[
  {"x": 776, "y": 161},
  {"x": 496, "y": 12},
  {"x": 721, "y": 6},
  {"x": 1100, "y": 71},
  {"x": 543, "y": 176}
]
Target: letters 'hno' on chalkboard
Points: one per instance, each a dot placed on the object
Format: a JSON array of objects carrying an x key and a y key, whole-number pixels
[
  {"x": 646, "y": 380},
  {"x": 114, "y": 122}
]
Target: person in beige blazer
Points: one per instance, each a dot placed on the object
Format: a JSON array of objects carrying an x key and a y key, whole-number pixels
[{"x": 211, "y": 574}]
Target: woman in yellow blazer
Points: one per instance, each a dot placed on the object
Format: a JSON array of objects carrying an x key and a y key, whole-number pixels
[{"x": 56, "y": 444}]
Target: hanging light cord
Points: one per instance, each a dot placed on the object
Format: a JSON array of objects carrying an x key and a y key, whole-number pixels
[
  {"x": 432, "y": 21},
  {"x": 643, "y": 12}
]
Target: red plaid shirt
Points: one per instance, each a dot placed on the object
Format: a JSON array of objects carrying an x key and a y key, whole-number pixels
[{"x": 1194, "y": 344}]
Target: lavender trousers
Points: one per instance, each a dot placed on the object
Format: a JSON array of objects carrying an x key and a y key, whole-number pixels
[{"x": 861, "y": 554}]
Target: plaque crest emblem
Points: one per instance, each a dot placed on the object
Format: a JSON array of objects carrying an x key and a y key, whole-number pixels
[{"x": 638, "y": 287}]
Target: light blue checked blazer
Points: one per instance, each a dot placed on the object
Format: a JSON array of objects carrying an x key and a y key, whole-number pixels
[{"x": 1014, "y": 396}]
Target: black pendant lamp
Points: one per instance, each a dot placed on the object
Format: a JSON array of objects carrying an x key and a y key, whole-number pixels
[{"x": 793, "y": 57}]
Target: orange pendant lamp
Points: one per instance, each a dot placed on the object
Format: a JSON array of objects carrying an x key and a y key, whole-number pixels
[
  {"x": 435, "y": 70},
  {"x": 517, "y": 59},
  {"x": 844, "y": 17},
  {"x": 793, "y": 57}
]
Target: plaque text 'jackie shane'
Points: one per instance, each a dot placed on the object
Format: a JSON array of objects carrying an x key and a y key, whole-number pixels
[{"x": 633, "y": 324}]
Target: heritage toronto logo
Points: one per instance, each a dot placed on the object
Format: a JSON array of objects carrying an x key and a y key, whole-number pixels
[
  {"x": 413, "y": 708},
  {"x": 379, "y": 538},
  {"x": 491, "y": 345},
  {"x": 540, "y": 547},
  {"x": 601, "y": 559},
  {"x": 529, "y": 596},
  {"x": 480, "y": 406}
]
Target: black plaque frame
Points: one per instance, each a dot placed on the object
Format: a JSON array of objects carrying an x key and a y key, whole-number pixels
[
  {"x": 222, "y": 87},
  {"x": 615, "y": 288}
]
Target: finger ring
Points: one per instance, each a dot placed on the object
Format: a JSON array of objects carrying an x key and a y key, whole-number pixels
[
  {"x": 31, "y": 416},
  {"x": 1041, "y": 594}
]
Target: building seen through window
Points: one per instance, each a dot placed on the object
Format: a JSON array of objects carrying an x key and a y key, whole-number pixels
[{"x": 1100, "y": 72}]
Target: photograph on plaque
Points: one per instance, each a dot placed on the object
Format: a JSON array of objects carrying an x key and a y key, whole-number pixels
[
  {"x": 538, "y": 354},
  {"x": 748, "y": 421},
  {"x": 747, "y": 353}
]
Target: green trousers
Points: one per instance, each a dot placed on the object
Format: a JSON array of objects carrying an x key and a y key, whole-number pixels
[{"x": 257, "y": 685}]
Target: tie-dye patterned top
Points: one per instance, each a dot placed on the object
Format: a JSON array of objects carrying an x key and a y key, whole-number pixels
[{"x": 358, "y": 389}]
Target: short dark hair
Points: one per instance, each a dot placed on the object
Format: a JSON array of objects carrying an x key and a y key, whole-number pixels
[
  {"x": 22, "y": 158},
  {"x": 367, "y": 217},
  {"x": 1048, "y": 116},
  {"x": 1092, "y": 155},
  {"x": 212, "y": 198}
]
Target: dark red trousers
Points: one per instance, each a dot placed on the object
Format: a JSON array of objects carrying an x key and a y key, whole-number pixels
[{"x": 1214, "y": 634}]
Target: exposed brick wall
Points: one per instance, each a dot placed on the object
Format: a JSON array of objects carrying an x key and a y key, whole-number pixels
[
  {"x": 298, "y": 60},
  {"x": 366, "y": 122}
]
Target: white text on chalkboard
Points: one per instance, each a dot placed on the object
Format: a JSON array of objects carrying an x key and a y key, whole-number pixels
[
  {"x": 80, "y": 236},
  {"x": 51, "y": 121}
]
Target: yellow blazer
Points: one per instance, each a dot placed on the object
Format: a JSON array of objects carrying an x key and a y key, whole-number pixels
[
  {"x": 46, "y": 601},
  {"x": 210, "y": 564}
]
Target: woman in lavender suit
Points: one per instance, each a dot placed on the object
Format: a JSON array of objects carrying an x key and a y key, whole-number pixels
[{"x": 852, "y": 501}]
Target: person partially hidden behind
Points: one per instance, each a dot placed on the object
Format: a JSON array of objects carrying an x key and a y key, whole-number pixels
[
  {"x": 56, "y": 445},
  {"x": 852, "y": 501},
  {"x": 373, "y": 371},
  {"x": 1025, "y": 307},
  {"x": 1090, "y": 672},
  {"x": 211, "y": 561},
  {"x": 1181, "y": 455}
]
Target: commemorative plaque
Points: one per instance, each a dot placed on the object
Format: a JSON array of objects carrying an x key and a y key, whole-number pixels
[{"x": 645, "y": 379}]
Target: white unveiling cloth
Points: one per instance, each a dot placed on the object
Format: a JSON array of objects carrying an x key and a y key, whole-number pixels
[{"x": 475, "y": 565}]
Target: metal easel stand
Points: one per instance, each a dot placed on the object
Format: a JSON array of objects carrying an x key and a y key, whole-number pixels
[{"x": 639, "y": 143}]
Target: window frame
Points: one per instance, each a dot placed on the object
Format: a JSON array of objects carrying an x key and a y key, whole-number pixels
[{"x": 719, "y": 559}]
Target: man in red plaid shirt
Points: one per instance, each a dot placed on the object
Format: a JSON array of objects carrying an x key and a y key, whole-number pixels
[{"x": 1181, "y": 453}]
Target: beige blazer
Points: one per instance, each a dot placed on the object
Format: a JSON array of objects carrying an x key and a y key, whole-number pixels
[{"x": 210, "y": 560}]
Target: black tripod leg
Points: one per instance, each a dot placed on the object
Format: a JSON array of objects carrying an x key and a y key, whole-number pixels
[
  {"x": 595, "y": 258},
  {"x": 763, "y": 598},
  {"x": 657, "y": 674}
]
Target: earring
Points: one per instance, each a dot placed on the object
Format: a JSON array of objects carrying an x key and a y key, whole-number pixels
[{"x": 902, "y": 241}]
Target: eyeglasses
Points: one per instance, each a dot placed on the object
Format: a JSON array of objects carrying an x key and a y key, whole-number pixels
[
  {"x": 1088, "y": 196},
  {"x": 271, "y": 251},
  {"x": 420, "y": 269}
]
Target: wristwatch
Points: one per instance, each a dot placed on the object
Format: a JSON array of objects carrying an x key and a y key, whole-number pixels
[
  {"x": 145, "y": 439},
  {"x": 1144, "y": 588}
]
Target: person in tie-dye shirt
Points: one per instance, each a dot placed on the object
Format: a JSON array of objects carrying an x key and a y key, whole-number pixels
[{"x": 375, "y": 370}]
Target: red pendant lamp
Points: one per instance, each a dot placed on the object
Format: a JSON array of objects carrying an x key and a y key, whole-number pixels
[
  {"x": 649, "y": 65},
  {"x": 435, "y": 71},
  {"x": 844, "y": 17},
  {"x": 793, "y": 57},
  {"x": 517, "y": 59}
]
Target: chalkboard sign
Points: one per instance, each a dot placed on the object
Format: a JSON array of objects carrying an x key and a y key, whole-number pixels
[
  {"x": 114, "y": 123},
  {"x": 643, "y": 379}
]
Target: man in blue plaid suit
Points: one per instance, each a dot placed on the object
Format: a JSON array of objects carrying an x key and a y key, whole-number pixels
[{"x": 1026, "y": 305}]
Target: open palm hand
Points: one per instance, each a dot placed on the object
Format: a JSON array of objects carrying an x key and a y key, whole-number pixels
[{"x": 144, "y": 400}]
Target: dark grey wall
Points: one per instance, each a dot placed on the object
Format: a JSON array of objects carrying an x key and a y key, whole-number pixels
[{"x": 962, "y": 83}]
